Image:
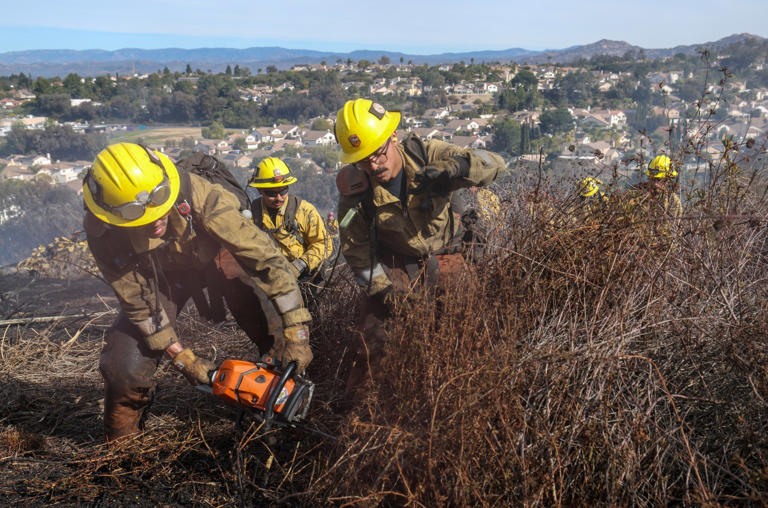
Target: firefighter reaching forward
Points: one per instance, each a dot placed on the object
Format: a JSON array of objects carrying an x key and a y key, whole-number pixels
[
  {"x": 397, "y": 224},
  {"x": 159, "y": 236}
]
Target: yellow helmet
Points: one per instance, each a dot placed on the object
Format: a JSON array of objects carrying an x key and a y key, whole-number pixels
[
  {"x": 270, "y": 173},
  {"x": 362, "y": 126},
  {"x": 130, "y": 185},
  {"x": 660, "y": 167},
  {"x": 589, "y": 187}
]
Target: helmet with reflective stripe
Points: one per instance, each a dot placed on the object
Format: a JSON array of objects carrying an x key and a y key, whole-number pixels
[
  {"x": 362, "y": 127},
  {"x": 270, "y": 173},
  {"x": 660, "y": 167},
  {"x": 130, "y": 185}
]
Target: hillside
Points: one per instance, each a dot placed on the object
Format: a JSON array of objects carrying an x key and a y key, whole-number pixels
[
  {"x": 596, "y": 355},
  {"x": 99, "y": 62}
]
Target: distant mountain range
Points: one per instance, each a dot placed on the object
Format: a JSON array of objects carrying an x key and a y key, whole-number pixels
[{"x": 95, "y": 62}]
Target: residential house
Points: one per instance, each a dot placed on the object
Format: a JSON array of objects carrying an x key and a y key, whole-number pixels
[
  {"x": 289, "y": 130},
  {"x": 314, "y": 138},
  {"x": 462, "y": 126},
  {"x": 223, "y": 146},
  {"x": 236, "y": 160},
  {"x": 426, "y": 133},
  {"x": 282, "y": 144},
  {"x": 436, "y": 113},
  {"x": 17, "y": 172},
  {"x": 263, "y": 135},
  {"x": 206, "y": 146},
  {"x": 63, "y": 172},
  {"x": 468, "y": 141}
]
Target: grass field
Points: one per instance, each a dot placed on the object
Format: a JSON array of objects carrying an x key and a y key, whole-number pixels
[{"x": 157, "y": 135}]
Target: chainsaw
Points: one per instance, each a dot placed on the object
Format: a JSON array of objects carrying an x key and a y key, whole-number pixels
[{"x": 266, "y": 392}]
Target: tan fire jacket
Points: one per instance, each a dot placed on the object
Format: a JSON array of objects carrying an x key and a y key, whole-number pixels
[
  {"x": 315, "y": 245},
  {"x": 418, "y": 229},
  {"x": 126, "y": 256}
]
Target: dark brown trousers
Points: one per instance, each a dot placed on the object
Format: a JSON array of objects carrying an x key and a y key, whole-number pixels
[{"x": 128, "y": 365}]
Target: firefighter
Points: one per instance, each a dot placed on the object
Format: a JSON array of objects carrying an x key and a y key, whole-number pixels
[
  {"x": 397, "y": 224},
  {"x": 159, "y": 236},
  {"x": 332, "y": 224},
  {"x": 591, "y": 198},
  {"x": 293, "y": 223},
  {"x": 657, "y": 197}
]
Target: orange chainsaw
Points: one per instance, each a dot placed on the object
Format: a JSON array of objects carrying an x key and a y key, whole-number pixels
[{"x": 271, "y": 395}]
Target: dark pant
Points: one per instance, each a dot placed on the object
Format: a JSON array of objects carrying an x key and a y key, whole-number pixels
[{"x": 128, "y": 365}]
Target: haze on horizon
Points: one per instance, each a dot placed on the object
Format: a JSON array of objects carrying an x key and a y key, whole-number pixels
[{"x": 425, "y": 27}]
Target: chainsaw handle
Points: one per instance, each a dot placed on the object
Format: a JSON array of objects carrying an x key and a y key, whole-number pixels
[{"x": 269, "y": 412}]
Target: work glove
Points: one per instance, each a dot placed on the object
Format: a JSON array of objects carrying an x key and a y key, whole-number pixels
[
  {"x": 439, "y": 176},
  {"x": 296, "y": 347},
  {"x": 299, "y": 267},
  {"x": 197, "y": 370}
]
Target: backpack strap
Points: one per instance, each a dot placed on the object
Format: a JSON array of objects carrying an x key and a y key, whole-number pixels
[
  {"x": 182, "y": 200},
  {"x": 257, "y": 213},
  {"x": 289, "y": 225}
]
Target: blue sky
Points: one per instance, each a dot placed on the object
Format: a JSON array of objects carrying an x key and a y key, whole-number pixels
[{"x": 417, "y": 27}]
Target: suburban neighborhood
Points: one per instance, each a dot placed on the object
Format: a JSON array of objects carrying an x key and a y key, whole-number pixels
[{"x": 469, "y": 116}]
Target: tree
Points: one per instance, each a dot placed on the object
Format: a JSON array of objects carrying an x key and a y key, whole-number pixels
[
  {"x": 384, "y": 60},
  {"x": 271, "y": 69},
  {"x": 228, "y": 71},
  {"x": 526, "y": 79},
  {"x": 506, "y": 136},
  {"x": 73, "y": 84},
  {"x": 321, "y": 124},
  {"x": 240, "y": 144},
  {"x": 188, "y": 70},
  {"x": 214, "y": 131},
  {"x": 556, "y": 121}
]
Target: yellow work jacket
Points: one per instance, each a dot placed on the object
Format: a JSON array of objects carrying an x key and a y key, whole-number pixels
[
  {"x": 416, "y": 228},
  {"x": 309, "y": 241},
  {"x": 128, "y": 258}
]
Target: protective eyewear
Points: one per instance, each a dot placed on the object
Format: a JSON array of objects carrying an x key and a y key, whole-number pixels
[
  {"x": 378, "y": 157},
  {"x": 275, "y": 193},
  {"x": 134, "y": 209}
]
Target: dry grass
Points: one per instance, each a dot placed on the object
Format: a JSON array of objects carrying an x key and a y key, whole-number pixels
[
  {"x": 157, "y": 135},
  {"x": 597, "y": 361}
]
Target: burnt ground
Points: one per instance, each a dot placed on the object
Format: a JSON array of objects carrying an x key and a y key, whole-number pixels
[
  {"x": 24, "y": 295},
  {"x": 52, "y": 449}
]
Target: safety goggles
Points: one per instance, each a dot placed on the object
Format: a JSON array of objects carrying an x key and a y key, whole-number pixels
[
  {"x": 378, "y": 157},
  {"x": 134, "y": 209},
  {"x": 275, "y": 193}
]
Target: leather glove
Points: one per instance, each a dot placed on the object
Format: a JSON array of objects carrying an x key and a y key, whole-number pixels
[
  {"x": 296, "y": 347},
  {"x": 196, "y": 370},
  {"x": 438, "y": 176}
]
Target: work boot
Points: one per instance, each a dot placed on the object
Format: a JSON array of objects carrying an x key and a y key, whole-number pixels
[{"x": 120, "y": 424}]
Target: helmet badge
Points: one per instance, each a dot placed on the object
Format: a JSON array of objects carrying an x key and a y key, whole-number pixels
[
  {"x": 377, "y": 110},
  {"x": 278, "y": 175},
  {"x": 354, "y": 140}
]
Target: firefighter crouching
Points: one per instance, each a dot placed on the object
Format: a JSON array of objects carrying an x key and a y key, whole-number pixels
[
  {"x": 396, "y": 220},
  {"x": 293, "y": 223},
  {"x": 159, "y": 236}
]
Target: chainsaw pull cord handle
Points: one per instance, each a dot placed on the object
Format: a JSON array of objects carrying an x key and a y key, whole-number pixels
[{"x": 269, "y": 412}]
